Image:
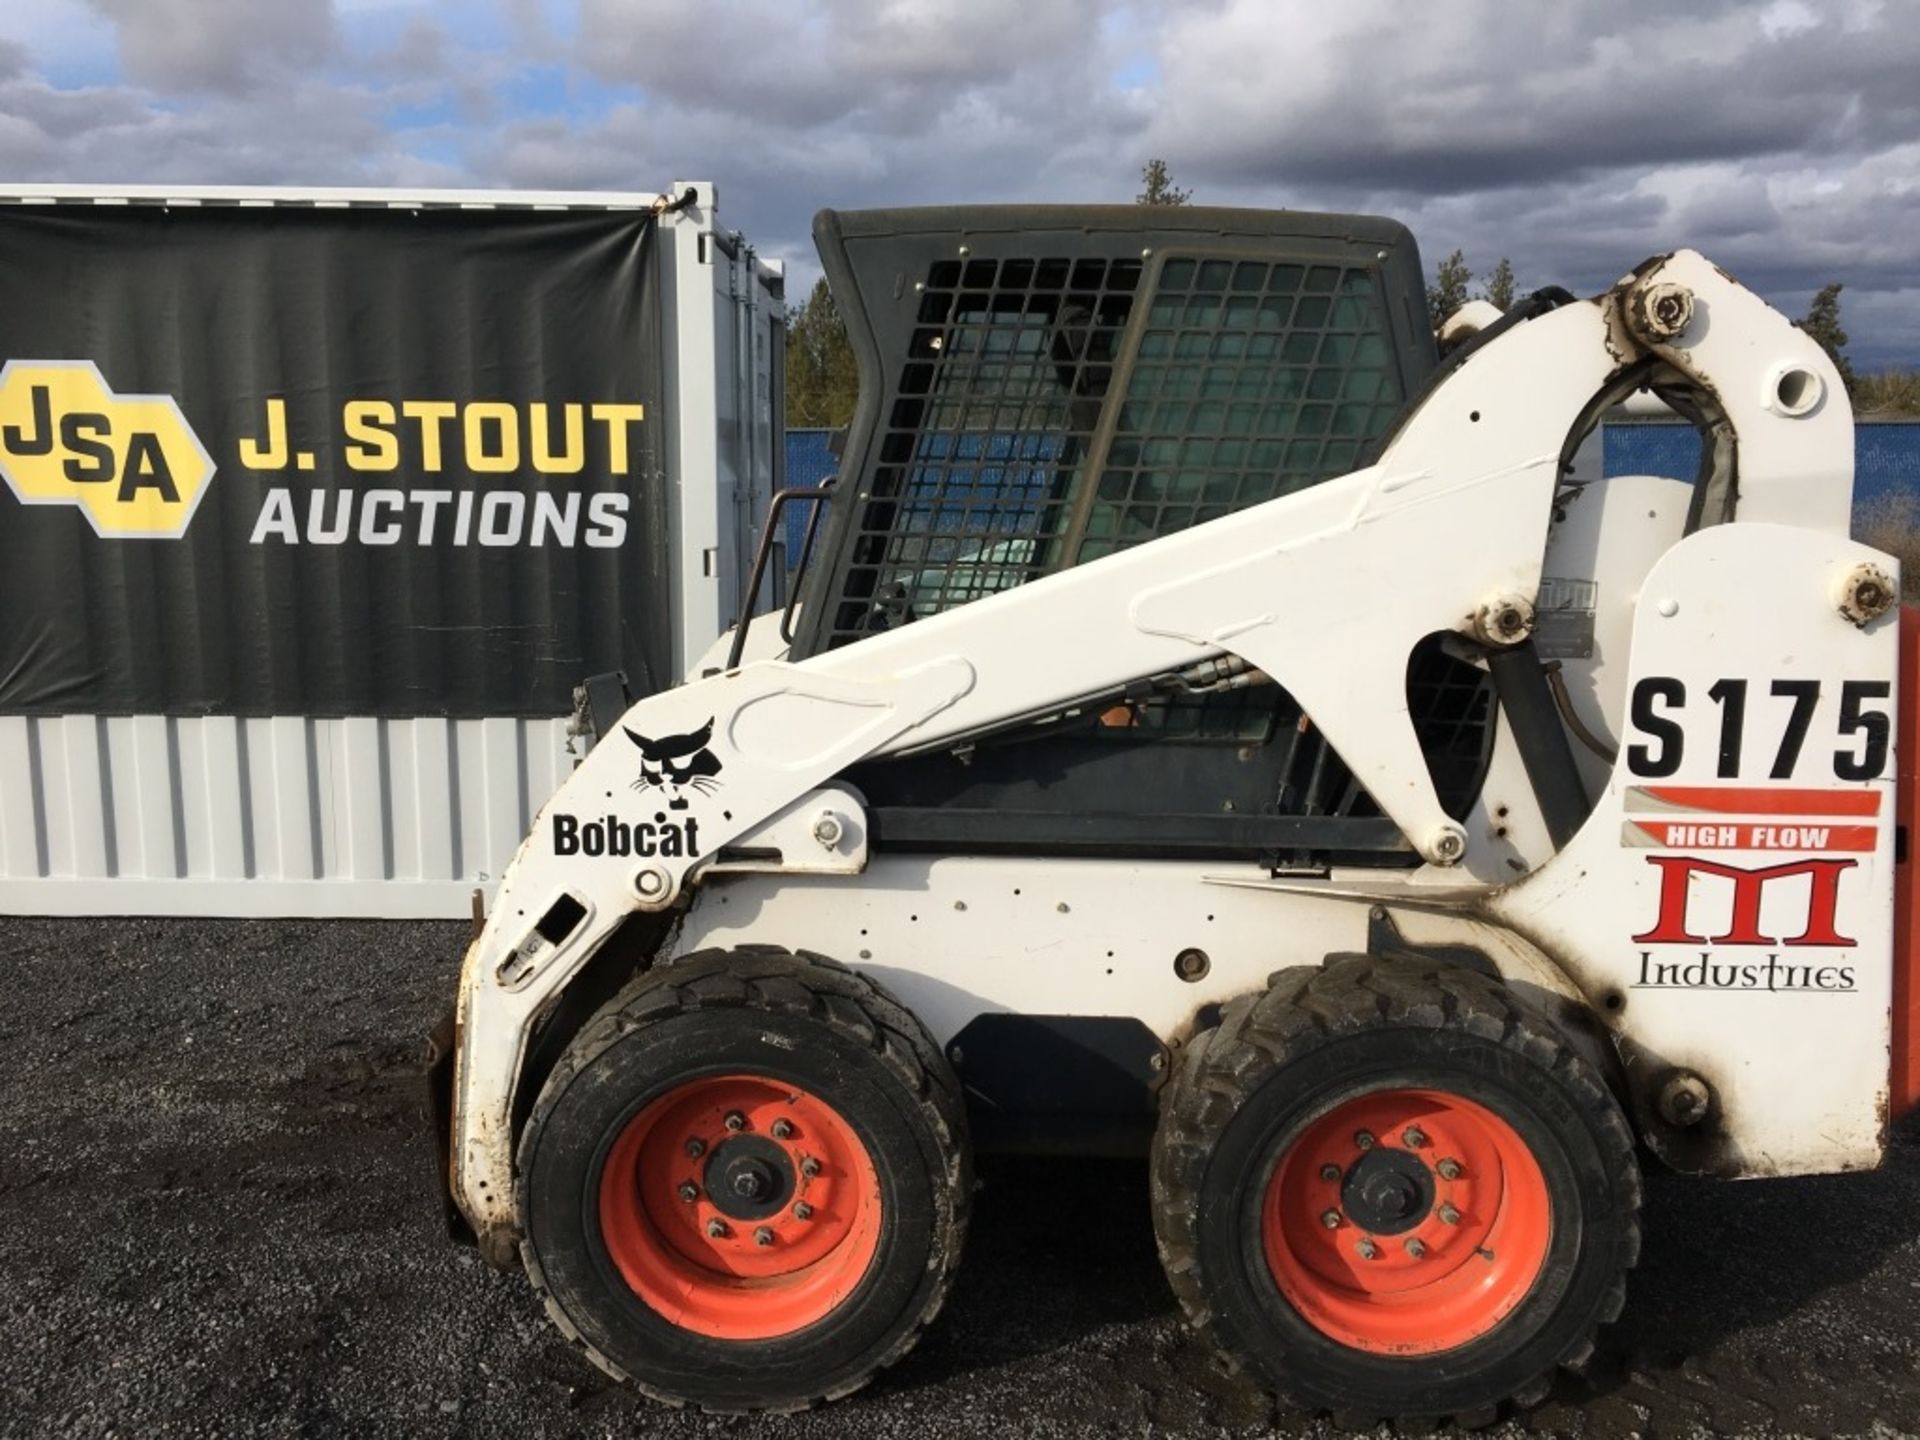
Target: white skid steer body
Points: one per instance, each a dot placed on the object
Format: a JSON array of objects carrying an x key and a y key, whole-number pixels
[{"x": 1723, "y": 913}]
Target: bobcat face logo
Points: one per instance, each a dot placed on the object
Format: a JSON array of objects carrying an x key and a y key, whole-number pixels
[{"x": 677, "y": 764}]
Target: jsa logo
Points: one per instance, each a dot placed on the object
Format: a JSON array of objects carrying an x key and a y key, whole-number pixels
[{"x": 131, "y": 462}]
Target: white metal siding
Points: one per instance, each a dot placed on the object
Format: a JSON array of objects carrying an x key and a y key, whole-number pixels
[{"x": 155, "y": 815}]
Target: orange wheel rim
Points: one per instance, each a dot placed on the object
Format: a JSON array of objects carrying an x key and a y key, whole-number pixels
[
  {"x": 1406, "y": 1222},
  {"x": 740, "y": 1207}
]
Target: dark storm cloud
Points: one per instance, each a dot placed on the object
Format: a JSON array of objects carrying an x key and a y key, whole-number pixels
[
  {"x": 1782, "y": 137},
  {"x": 1526, "y": 95}
]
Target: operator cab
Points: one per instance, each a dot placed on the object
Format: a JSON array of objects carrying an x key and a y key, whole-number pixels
[{"x": 1044, "y": 386}]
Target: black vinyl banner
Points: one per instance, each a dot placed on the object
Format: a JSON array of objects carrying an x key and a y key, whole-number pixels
[{"x": 298, "y": 461}]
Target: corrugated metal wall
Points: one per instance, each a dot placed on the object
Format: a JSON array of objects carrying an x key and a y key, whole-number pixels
[{"x": 302, "y": 815}]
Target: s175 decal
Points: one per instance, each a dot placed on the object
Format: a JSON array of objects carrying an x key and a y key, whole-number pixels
[{"x": 1658, "y": 709}]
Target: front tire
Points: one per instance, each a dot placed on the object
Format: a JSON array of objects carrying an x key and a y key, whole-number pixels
[
  {"x": 1390, "y": 1190},
  {"x": 745, "y": 1185}
]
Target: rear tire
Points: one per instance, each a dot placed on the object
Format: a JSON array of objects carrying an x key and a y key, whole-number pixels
[
  {"x": 745, "y": 1185},
  {"x": 1391, "y": 1191}
]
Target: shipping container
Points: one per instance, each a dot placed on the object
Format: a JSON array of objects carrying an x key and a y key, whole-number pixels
[{"x": 318, "y": 504}]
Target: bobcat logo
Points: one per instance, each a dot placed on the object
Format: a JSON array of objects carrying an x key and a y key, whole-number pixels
[{"x": 677, "y": 763}]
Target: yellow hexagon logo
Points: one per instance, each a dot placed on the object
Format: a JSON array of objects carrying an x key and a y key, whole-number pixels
[{"x": 131, "y": 462}]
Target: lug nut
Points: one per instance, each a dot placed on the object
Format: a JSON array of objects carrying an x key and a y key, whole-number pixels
[
  {"x": 783, "y": 1129},
  {"x": 1413, "y": 1137},
  {"x": 1449, "y": 1169},
  {"x": 735, "y": 1121},
  {"x": 1449, "y": 1215},
  {"x": 696, "y": 1147},
  {"x": 1366, "y": 1250},
  {"x": 689, "y": 1191},
  {"x": 1363, "y": 1139},
  {"x": 1329, "y": 1172},
  {"x": 1331, "y": 1219},
  {"x": 716, "y": 1229},
  {"x": 809, "y": 1167},
  {"x": 1417, "y": 1248},
  {"x": 803, "y": 1211},
  {"x": 763, "y": 1236}
]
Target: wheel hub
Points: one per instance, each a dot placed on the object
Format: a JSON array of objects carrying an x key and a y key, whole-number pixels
[
  {"x": 1387, "y": 1192},
  {"x": 740, "y": 1207},
  {"x": 749, "y": 1177},
  {"x": 1406, "y": 1221}
]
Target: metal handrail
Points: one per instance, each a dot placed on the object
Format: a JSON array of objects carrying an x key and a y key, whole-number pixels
[{"x": 763, "y": 552}]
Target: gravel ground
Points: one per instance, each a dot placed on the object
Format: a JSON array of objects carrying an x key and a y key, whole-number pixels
[{"x": 218, "y": 1221}]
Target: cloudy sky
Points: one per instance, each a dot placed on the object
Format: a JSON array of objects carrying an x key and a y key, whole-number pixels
[{"x": 1577, "y": 137}]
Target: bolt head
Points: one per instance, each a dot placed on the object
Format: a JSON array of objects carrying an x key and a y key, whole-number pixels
[
  {"x": 809, "y": 1167},
  {"x": 716, "y": 1229},
  {"x": 1866, "y": 593},
  {"x": 1417, "y": 1248},
  {"x": 1413, "y": 1137},
  {"x": 1192, "y": 964},
  {"x": 1661, "y": 311},
  {"x": 1329, "y": 1172},
  {"x": 696, "y": 1147},
  {"x": 1331, "y": 1219},
  {"x": 763, "y": 1236},
  {"x": 689, "y": 1191},
  {"x": 1449, "y": 1169},
  {"x": 783, "y": 1129},
  {"x": 1685, "y": 1099},
  {"x": 1366, "y": 1250},
  {"x": 803, "y": 1211},
  {"x": 736, "y": 1122},
  {"x": 1449, "y": 1215},
  {"x": 1363, "y": 1139}
]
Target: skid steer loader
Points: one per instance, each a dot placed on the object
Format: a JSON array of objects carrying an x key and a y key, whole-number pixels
[{"x": 1217, "y": 725}]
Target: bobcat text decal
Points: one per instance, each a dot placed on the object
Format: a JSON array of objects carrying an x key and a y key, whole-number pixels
[
  {"x": 613, "y": 836},
  {"x": 673, "y": 765}
]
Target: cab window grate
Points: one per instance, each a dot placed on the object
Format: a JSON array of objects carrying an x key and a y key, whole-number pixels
[
  {"x": 1252, "y": 379},
  {"x": 1236, "y": 380},
  {"x": 988, "y": 427}
]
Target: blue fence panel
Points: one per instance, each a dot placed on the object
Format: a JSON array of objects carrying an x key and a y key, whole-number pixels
[
  {"x": 809, "y": 463},
  {"x": 1662, "y": 449},
  {"x": 1886, "y": 459},
  {"x": 1886, "y": 454}
]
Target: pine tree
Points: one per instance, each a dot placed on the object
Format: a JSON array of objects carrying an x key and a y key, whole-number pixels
[
  {"x": 823, "y": 378},
  {"x": 1822, "y": 322},
  {"x": 1449, "y": 289},
  {"x": 1160, "y": 189},
  {"x": 1500, "y": 285}
]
